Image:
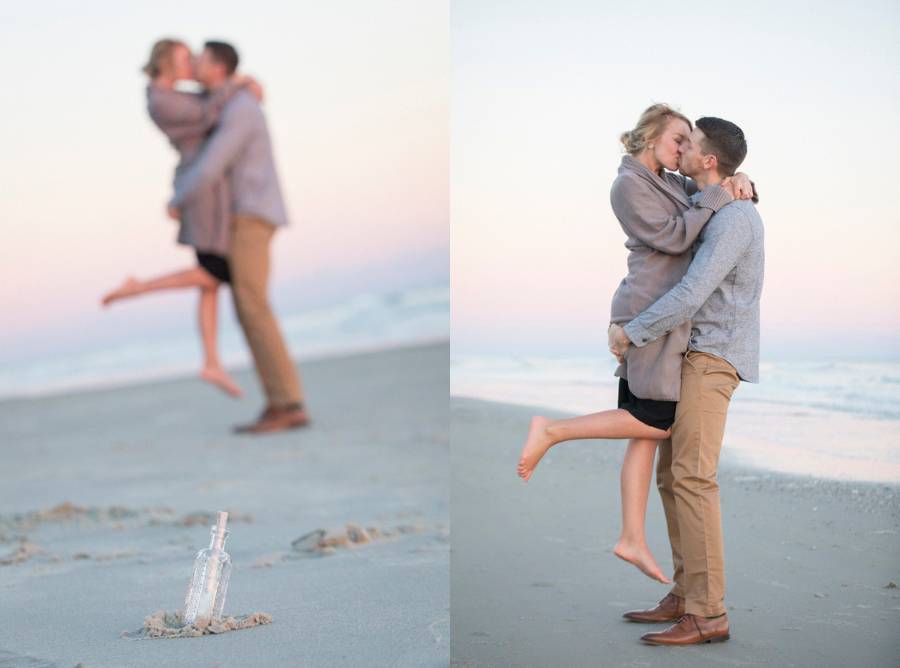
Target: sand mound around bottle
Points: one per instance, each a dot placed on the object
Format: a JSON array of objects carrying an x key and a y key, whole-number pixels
[{"x": 164, "y": 624}]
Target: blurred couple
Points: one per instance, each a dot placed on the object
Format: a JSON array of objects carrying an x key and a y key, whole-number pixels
[
  {"x": 685, "y": 330},
  {"x": 228, "y": 203}
]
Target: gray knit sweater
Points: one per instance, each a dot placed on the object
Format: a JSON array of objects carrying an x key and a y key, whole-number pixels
[
  {"x": 662, "y": 224},
  {"x": 241, "y": 150},
  {"x": 719, "y": 294},
  {"x": 187, "y": 119}
]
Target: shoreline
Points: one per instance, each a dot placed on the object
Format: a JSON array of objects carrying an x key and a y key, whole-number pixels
[
  {"x": 181, "y": 373},
  {"x": 730, "y": 458}
]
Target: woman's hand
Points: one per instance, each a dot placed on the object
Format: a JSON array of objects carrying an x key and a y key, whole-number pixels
[
  {"x": 739, "y": 186},
  {"x": 729, "y": 186},
  {"x": 251, "y": 84},
  {"x": 618, "y": 342}
]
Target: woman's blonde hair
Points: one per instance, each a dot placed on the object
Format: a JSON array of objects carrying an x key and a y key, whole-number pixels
[
  {"x": 160, "y": 54},
  {"x": 651, "y": 125}
]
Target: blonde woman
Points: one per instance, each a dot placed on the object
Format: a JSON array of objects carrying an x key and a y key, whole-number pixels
[
  {"x": 655, "y": 209},
  {"x": 187, "y": 118}
]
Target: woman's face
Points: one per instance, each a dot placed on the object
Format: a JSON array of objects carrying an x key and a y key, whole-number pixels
[
  {"x": 665, "y": 147},
  {"x": 182, "y": 63}
]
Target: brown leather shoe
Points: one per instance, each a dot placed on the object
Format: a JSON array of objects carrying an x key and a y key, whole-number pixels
[
  {"x": 691, "y": 630},
  {"x": 669, "y": 609},
  {"x": 275, "y": 419}
]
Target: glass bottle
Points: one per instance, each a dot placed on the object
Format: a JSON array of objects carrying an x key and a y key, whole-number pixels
[{"x": 205, "y": 597}]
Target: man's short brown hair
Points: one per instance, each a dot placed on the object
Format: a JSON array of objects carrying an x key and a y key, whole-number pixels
[
  {"x": 725, "y": 140},
  {"x": 225, "y": 54}
]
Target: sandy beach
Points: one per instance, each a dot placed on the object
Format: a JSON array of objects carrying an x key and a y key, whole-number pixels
[
  {"x": 105, "y": 497},
  {"x": 812, "y": 565}
]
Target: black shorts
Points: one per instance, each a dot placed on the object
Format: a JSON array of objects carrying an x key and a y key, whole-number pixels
[
  {"x": 215, "y": 265},
  {"x": 659, "y": 414}
]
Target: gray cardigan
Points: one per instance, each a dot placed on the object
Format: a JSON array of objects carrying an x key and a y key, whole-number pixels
[
  {"x": 719, "y": 294},
  {"x": 662, "y": 224},
  {"x": 187, "y": 119},
  {"x": 240, "y": 148}
]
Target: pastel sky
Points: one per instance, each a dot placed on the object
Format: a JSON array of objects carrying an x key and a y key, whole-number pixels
[
  {"x": 357, "y": 102},
  {"x": 541, "y": 95}
]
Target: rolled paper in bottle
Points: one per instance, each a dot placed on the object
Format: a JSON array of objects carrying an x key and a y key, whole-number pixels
[
  {"x": 212, "y": 580},
  {"x": 220, "y": 529}
]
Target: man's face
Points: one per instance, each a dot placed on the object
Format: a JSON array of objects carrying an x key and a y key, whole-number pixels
[
  {"x": 690, "y": 154},
  {"x": 182, "y": 63},
  {"x": 208, "y": 70}
]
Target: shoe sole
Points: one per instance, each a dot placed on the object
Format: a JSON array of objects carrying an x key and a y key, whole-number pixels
[
  {"x": 687, "y": 644},
  {"x": 272, "y": 430}
]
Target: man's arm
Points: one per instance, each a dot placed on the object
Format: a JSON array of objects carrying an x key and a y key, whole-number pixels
[
  {"x": 721, "y": 248},
  {"x": 235, "y": 128}
]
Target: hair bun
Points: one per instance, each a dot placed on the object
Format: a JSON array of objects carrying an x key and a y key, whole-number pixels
[{"x": 651, "y": 125}]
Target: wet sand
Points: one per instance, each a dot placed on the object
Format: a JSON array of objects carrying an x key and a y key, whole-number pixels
[
  {"x": 106, "y": 496},
  {"x": 811, "y": 565}
]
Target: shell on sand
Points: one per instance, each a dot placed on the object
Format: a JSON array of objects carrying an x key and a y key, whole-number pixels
[
  {"x": 326, "y": 541},
  {"x": 24, "y": 552}
]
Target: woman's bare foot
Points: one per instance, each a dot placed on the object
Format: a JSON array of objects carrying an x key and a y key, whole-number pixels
[
  {"x": 220, "y": 378},
  {"x": 536, "y": 446},
  {"x": 129, "y": 288},
  {"x": 640, "y": 556}
]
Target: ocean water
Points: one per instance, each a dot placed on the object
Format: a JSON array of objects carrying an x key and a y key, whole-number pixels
[
  {"x": 838, "y": 420},
  {"x": 366, "y": 322}
]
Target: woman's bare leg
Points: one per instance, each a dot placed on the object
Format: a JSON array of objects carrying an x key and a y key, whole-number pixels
[
  {"x": 637, "y": 471},
  {"x": 545, "y": 433},
  {"x": 197, "y": 277},
  {"x": 213, "y": 371}
]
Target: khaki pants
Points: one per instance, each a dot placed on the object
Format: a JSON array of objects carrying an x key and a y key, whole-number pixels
[
  {"x": 250, "y": 241},
  {"x": 686, "y": 478}
]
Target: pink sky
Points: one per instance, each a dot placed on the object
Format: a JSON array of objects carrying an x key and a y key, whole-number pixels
[
  {"x": 357, "y": 101},
  {"x": 540, "y": 97}
]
